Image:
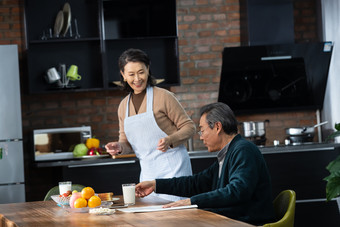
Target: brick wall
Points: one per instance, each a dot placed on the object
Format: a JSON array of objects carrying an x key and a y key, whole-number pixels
[{"x": 205, "y": 28}]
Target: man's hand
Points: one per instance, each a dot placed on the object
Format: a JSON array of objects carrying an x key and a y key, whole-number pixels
[
  {"x": 145, "y": 188},
  {"x": 183, "y": 202}
]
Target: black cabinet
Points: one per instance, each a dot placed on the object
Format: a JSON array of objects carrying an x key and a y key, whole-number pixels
[
  {"x": 104, "y": 178},
  {"x": 99, "y": 31},
  {"x": 303, "y": 172}
]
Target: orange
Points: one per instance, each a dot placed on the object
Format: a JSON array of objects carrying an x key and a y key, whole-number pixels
[
  {"x": 94, "y": 201},
  {"x": 80, "y": 202},
  {"x": 87, "y": 192}
]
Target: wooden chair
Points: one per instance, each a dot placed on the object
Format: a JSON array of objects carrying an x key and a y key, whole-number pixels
[
  {"x": 55, "y": 190},
  {"x": 284, "y": 206}
]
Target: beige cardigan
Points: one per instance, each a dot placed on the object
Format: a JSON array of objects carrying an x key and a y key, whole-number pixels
[{"x": 169, "y": 114}]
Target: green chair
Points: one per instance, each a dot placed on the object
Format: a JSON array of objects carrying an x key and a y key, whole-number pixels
[
  {"x": 284, "y": 206},
  {"x": 55, "y": 190}
]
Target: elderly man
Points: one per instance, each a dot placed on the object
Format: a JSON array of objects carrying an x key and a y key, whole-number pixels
[{"x": 237, "y": 185}]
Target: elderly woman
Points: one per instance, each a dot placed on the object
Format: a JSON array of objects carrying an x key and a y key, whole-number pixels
[{"x": 152, "y": 123}]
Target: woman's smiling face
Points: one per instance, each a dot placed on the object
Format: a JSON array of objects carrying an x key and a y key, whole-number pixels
[{"x": 136, "y": 75}]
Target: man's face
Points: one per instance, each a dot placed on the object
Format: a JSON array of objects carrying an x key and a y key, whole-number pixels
[{"x": 209, "y": 136}]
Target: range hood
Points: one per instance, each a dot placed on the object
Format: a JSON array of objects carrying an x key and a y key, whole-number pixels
[{"x": 270, "y": 78}]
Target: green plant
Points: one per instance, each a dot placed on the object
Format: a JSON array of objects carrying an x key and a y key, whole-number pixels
[
  {"x": 333, "y": 180},
  {"x": 334, "y": 134}
]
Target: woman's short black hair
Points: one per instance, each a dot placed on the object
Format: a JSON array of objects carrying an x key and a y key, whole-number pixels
[{"x": 134, "y": 55}]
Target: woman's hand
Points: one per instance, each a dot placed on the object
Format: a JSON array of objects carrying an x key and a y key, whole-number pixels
[
  {"x": 183, "y": 202},
  {"x": 113, "y": 148},
  {"x": 163, "y": 144},
  {"x": 145, "y": 188}
]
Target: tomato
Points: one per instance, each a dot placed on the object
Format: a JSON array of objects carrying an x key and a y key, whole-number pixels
[
  {"x": 91, "y": 152},
  {"x": 66, "y": 194}
]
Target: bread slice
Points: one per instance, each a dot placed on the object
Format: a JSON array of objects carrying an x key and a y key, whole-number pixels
[{"x": 106, "y": 196}]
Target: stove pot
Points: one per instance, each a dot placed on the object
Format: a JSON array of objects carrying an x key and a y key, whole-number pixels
[
  {"x": 253, "y": 128},
  {"x": 300, "y": 131}
]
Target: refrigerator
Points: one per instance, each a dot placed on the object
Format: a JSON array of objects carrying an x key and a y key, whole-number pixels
[{"x": 12, "y": 180}]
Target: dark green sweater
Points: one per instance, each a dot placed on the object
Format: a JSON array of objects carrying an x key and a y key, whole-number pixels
[{"x": 243, "y": 191}]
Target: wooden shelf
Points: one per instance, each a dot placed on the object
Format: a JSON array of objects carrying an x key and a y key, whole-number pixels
[{"x": 106, "y": 28}]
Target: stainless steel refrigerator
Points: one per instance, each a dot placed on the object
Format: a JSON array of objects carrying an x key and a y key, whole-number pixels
[{"x": 12, "y": 181}]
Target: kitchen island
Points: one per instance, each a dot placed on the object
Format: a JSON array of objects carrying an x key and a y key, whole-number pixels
[{"x": 300, "y": 168}]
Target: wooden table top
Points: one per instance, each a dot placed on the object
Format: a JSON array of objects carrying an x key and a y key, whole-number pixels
[{"x": 47, "y": 213}]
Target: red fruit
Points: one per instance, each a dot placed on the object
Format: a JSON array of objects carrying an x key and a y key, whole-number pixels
[{"x": 91, "y": 151}]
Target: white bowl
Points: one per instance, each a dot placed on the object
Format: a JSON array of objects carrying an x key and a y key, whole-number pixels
[{"x": 61, "y": 200}]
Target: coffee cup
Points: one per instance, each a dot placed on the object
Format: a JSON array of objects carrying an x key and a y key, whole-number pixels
[
  {"x": 52, "y": 75},
  {"x": 72, "y": 73}
]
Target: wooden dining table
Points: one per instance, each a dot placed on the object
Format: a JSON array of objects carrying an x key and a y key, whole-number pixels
[{"x": 48, "y": 213}]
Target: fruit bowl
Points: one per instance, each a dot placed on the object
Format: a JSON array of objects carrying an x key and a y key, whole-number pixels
[
  {"x": 61, "y": 200},
  {"x": 105, "y": 204}
]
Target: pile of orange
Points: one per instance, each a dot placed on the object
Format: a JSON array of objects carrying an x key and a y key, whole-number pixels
[{"x": 88, "y": 198}]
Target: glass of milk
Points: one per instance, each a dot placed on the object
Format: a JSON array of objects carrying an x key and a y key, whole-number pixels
[
  {"x": 64, "y": 187},
  {"x": 129, "y": 193}
]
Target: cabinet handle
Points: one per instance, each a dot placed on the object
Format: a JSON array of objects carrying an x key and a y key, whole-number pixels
[{"x": 102, "y": 164}]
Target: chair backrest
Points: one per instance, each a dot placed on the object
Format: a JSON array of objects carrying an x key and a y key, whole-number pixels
[
  {"x": 55, "y": 190},
  {"x": 284, "y": 206}
]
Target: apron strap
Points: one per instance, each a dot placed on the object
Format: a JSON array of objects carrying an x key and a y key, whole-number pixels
[{"x": 149, "y": 101}]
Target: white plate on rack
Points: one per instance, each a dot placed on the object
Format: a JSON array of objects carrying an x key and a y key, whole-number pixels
[
  {"x": 67, "y": 19},
  {"x": 58, "y": 24}
]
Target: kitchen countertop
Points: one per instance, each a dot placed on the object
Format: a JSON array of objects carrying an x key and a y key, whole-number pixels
[{"x": 192, "y": 154}]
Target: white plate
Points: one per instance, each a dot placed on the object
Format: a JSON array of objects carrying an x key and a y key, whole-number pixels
[
  {"x": 67, "y": 19},
  {"x": 58, "y": 25},
  {"x": 113, "y": 199}
]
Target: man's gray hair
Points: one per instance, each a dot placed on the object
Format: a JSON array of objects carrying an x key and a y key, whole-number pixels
[{"x": 220, "y": 112}]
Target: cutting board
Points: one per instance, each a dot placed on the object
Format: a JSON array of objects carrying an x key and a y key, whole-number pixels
[{"x": 124, "y": 156}]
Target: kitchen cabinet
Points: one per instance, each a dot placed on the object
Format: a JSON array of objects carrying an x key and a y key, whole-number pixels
[{"x": 100, "y": 30}]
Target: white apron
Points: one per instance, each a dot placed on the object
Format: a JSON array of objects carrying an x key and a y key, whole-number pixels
[{"x": 143, "y": 134}]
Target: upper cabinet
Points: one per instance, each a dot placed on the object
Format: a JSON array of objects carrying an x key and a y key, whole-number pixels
[{"x": 92, "y": 34}]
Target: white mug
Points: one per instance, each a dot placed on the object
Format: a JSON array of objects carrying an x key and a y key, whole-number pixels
[{"x": 52, "y": 75}]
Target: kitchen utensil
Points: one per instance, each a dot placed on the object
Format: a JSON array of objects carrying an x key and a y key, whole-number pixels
[
  {"x": 50, "y": 33},
  {"x": 300, "y": 131},
  {"x": 52, "y": 75},
  {"x": 124, "y": 156},
  {"x": 253, "y": 128},
  {"x": 118, "y": 83},
  {"x": 67, "y": 19},
  {"x": 72, "y": 73},
  {"x": 61, "y": 200},
  {"x": 64, "y": 80},
  {"x": 58, "y": 25},
  {"x": 76, "y": 27},
  {"x": 43, "y": 37}
]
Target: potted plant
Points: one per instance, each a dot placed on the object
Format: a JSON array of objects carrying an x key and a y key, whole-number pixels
[{"x": 333, "y": 180}]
